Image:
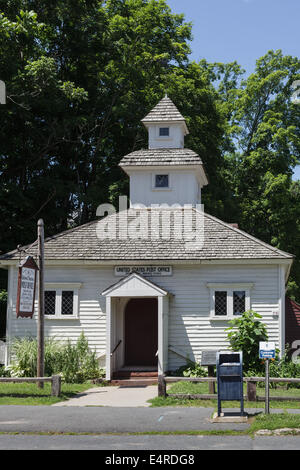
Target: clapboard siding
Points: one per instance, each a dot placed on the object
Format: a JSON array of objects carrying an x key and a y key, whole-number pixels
[
  {"x": 190, "y": 328},
  {"x": 92, "y": 317}
]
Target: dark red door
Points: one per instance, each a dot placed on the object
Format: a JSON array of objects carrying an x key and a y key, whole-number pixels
[{"x": 141, "y": 332}]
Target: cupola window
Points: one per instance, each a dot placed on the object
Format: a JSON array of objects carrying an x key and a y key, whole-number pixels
[
  {"x": 164, "y": 131},
  {"x": 161, "y": 181}
]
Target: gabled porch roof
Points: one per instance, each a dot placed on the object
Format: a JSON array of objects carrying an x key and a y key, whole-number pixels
[{"x": 134, "y": 285}]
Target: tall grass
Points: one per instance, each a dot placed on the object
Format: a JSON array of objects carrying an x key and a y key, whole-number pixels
[{"x": 75, "y": 362}]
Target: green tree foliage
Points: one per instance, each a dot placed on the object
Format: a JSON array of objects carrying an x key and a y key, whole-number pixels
[
  {"x": 263, "y": 148},
  {"x": 80, "y": 74}
]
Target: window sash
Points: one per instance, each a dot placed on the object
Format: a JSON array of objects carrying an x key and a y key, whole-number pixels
[
  {"x": 230, "y": 291},
  {"x": 164, "y": 132},
  {"x": 60, "y": 303},
  {"x": 164, "y": 183}
]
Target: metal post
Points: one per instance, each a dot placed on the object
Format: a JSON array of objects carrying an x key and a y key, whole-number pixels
[
  {"x": 267, "y": 388},
  {"x": 40, "y": 328}
]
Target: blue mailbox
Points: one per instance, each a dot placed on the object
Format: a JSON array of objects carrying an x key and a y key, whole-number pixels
[{"x": 230, "y": 378}]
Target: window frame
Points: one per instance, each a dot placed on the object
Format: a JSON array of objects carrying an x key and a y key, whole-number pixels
[
  {"x": 163, "y": 137},
  {"x": 230, "y": 288},
  {"x": 157, "y": 188},
  {"x": 58, "y": 288}
]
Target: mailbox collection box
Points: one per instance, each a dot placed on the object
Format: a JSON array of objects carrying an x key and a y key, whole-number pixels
[{"x": 230, "y": 378}]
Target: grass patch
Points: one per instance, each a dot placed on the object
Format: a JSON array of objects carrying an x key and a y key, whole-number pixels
[
  {"x": 202, "y": 388},
  {"x": 275, "y": 421},
  {"x": 30, "y": 394}
]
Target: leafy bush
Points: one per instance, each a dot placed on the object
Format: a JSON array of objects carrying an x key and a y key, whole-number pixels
[
  {"x": 3, "y": 296},
  {"x": 285, "y": 368},
  {"x": 79, "y": 363},
  {"x": 75, "y": 362},
  {"x": 4, "y": 372},
  {"x": 244, "y": 335},
  {"x": 191, "y": 369}
]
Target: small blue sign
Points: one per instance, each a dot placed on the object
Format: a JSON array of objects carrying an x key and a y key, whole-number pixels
[
  {"x": 266, "y": 354},
  {"x": 266, "y": 350}
]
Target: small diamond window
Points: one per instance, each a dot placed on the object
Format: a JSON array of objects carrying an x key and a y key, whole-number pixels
[
  {"x": 67, "y": 302},
  {"x": 239, "y": 300},
  {"x": 220, "y": 303},
  {"x": 50, "y": 297},
  {"x": 161, "y": 181}
]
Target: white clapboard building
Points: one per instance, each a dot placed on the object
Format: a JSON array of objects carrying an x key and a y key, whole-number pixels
[{"x": 150, "y": 285}]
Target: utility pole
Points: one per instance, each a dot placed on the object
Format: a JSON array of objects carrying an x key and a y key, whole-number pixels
[{"x": 41, "y": 307}]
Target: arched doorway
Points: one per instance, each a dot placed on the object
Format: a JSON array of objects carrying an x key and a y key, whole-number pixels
[{"x": 141, "y": 332}]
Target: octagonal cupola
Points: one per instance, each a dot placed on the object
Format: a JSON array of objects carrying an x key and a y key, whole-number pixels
[{"x": 166, "y": 126}]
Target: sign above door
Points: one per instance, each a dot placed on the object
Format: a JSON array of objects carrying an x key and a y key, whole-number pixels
[{"x": 144, "y": 270}]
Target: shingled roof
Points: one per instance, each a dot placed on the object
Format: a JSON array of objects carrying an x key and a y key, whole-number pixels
[
  {"x": 221, "y": 242},
  {"x": 161, "y": 156},
  {"x": 165, "y": 110}
]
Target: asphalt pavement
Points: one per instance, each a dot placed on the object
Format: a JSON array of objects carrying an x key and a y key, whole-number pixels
[
  {"x": 115, "y": 445},
  {"x": 107, "y": 419}
]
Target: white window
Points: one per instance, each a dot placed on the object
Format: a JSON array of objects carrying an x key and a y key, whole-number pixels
[
  {"x": 229, "y": 300},
  {"x": 62, "y": 300}
]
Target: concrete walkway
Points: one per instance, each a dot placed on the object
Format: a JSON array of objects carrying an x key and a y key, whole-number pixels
[{"x": 113, "y": 396}]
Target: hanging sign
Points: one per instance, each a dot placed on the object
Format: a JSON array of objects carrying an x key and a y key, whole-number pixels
[{"x": 26, "y": 288}]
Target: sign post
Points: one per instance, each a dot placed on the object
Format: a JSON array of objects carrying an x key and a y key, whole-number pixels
[
  {"x": 40, "y": 328},
  {"x": 209, "y": 360},
  {"x": 267, "y": 352}
]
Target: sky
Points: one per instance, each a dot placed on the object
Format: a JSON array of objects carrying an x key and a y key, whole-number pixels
[{"x": 241, "y": 30}]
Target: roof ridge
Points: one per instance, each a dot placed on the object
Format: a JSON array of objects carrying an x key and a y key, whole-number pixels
[{"x": 251, "y": 237}]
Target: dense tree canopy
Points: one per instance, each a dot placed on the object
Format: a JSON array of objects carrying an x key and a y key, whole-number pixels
[{"x": 80, "y": 74}]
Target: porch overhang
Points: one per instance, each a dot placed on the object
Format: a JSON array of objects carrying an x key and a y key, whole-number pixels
[{"x": 135, "y": 285}]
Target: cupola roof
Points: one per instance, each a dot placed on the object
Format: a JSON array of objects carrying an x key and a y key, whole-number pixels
[{"x": 165, "y": 110}]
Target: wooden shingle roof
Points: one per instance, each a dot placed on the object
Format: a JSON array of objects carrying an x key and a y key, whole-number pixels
[
  {"x": 165, "y": 110},
  {"x": 161, "y": 156},
  {"x": 221, "y": 241}
]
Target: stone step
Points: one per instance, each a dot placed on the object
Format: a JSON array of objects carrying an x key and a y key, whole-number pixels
[
  {"x": 135, "y": 382},
  {"x": 127, "y": 374}
]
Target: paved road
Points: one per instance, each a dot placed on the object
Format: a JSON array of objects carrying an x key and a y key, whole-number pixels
[
  {"x": 97, "y": 422},
  {"x": 151, "y": 443},
  {"x": 108, "y": 419}
]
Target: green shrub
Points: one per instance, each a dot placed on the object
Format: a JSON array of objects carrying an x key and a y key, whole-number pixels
[
  {"x": 3, "y": 296},
  {"x": 244, "y": 335},
  {"x": 4, "y": 372},
  {"x": 285, "y": 368},
  {"x": 75, "y": 362},
  {"x": 191, "y": 369},
  {"x": 79, "y": 363}
]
